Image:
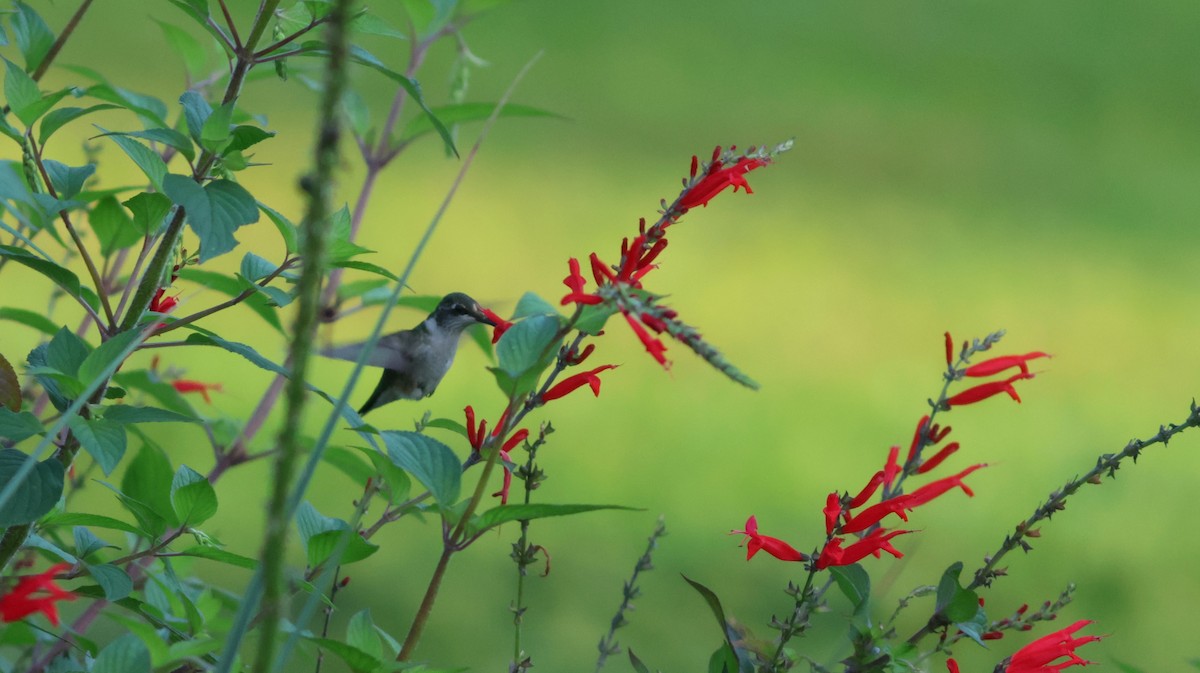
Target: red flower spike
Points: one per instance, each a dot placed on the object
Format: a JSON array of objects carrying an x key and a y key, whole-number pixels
[
  {"x": 653, "y": 323},
  {"x": 631, "y": 256},
  {"x": 934, "y": 489},
  {"x": 572, "y": 383},
  {"x": 832, "y": 510},
  {"x": 600, "y": 271},
  {"x": 189, "y": 386},
  {"x": 952, "y": 666},
  {"x": 875, "y": 513},
  {"x": 653, "y": 346},
  {"x": 997, "y": 365},
  {"x": 834, "y": 555},
  {"x": 502, "y": 325},
  {"x": 949, "y": 349},
  {"x": 938, "y": 458},
  {"x": 916, "y": 440},
  {"x": 576, "y": 282},
  {"x": 1038, "y": 656},
  {"x": 986, "y": 390},
  {"x": 35, "y": 593},
  {"x": 773, "y": 546},
  {"x": 892, "y": 467},
  {"x": 867, "y": 491},
  {"x": 717, "y": 180}
]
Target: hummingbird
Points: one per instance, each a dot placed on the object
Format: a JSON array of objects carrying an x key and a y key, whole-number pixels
[{"x": 415, "y": 360}]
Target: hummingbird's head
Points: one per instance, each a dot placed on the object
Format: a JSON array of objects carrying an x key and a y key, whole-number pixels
[{"x": 457, "y": 311}]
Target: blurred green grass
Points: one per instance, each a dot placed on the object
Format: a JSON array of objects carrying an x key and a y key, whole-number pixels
[{"x": 957, "y": 167}]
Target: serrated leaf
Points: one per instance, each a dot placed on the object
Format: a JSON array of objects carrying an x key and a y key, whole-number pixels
[
  {"x": 196, "y": 112},
  {"x": 93, "y": 520},
  {"x": 126, "y": 654},
  {"x": 147, "y": 480},
  {"x": 521, "y": 512},
  {"x": 114, "y": 581},
  {"x": 37, "y": 493},
  {"x": 56, "y": 119},
  {"x": 287, "y": 230},
  {"x": 244, "y": 137},
  {"x": 216, "y": 130},
  {"x": 146, "y": 159},
  {"x": 21, "y": 93},
  {"x": 527, "y": 345},
  {"x": 10, "y": 389},
  {"x": 531, "y": 304},
  {"x": 255, "y": 268},
  {"x": 34, "y": 38},
  {"x": 322, "y": 535},
  {"x": 32, "y": 319},
  {"x": 854, "y": 583},
  {"x": 192, "y": 496},
  {"x": 431, "y": 462},
  {"x": 104, "y": 440},
  {"x": 396, "y": 483},
  {"x": 128, "y": 413},
  {"x": 18, "y": 426},
  {"x": 165, "y": 136},
  {"x": 68, "y": 180},
  {"x": 214, "y": 211},
  {"x": 113, "y": 226}
]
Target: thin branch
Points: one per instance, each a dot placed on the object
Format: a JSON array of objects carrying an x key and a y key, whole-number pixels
[
  {"x": 237, "y": 41},
  {"x": 61, "y": 40},
  {"x": 233, "y": 301}
]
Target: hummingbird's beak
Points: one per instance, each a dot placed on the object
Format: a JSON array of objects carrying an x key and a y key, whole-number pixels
[{"x": 480, "y": 316}]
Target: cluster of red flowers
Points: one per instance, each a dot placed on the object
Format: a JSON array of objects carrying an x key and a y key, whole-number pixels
[
  {"x": 988, "y": 368},
  {"x": 35, "y": 593},
  {"x": 1041, "y": 655},
  {"x": 477, "y": 435},
  {"x": 638, "y": 256},
  {"x": 200, "y": 387}
]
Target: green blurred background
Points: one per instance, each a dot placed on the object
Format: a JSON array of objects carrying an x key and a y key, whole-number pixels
[{"x": 958, "y": 166}]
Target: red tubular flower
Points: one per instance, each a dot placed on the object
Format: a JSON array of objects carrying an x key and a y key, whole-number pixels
[
  {"x": 878, "y": 541},
  {"x": 572, "y": 383},
  {"x": 575, "y": 358},
  {"x": 717, "y": 179},
  {"x": 35, "y": 593},
  {"x": 986, "y": 390},
  {"x": 502, "y": 325},
  {"x": 575, "y": 281},
  {"x": 189, "y": 386},
  {"x": 916, "y": 440},
  {"x": 160, "y": 304},
  {"x": 867, "y": 491},
  {"x": 892, "y": 467},
  {"x": 653, "y": 346},
  {"x": 949, "y": 350},
  {"x": 600, "y": 270},
  {"x": 773, "y": 546},
  {"x": 474, "y": 436},
  {"x": 875, "y": 513},
  {"x": 503, "y": 492},
  {"x": 952, "y": 666},
  {"x": 1038, "y": 656},
  {"x": 997, "y": 365},
  {"x": 934, "y": 489},
  {"x": 517, "y": 437},
  {"x": 832, "y": 510},
  {"x": 938, "y": 458}
]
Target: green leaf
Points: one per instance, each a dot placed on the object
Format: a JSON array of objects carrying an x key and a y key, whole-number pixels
[
  {"x": 196, "y": 112},
  {"x": 637, "y": 664},
  {"x": 147, "y": 481},
  {"x": 34, "y": 38},
  {"x": 56, "y": 119},
  {"x": 150, "y": 110},
  {"x": 286, "y": 229},
  {"x": 19, "y": 426},
  {"x": 104, "y": 440},
  {"x": 216, "y": 130},
  {"x": 361, "y": 635},
  {"x": 953, "y": 601},
  {"x": 193, "y": 497},
  {"x": 430, "y": 461},
  {"x": 723, "y": 660},
  {"x": 114, "y": 581},
  {"x": 358, "y": 288},
  {"x": 322, "y": 535},
  {"x": 113, "y": 226},
  {"x": 61, "y": 276},
  {"x": 527, "y": 512},
  {"x": 854, "y": 583},
  {"x": 107, "y": 355},
  {"x": 731, "y": 636},
  {"x": 29, "y": 318},
  {"x": 149, "y": 209},
  {"x": 468, "y": 112},
  {"x": 145, "y": 631},
  {"x": 35, "y": 541},
  {"x": 126, "y": 654},
  {"x": 356, "y": 659},
  {"x": 530, "y": 305},
  {"x": 349, "y": 463},
  {"x": 214, "y": 211},
  {"x": 128, "y": 413},
  {"x": 194, "y": 56},
  {"x": 222, "y": 556},
  {"x": 255, "y": 268},
  {"x": 22, "y": 93},
  {"x": 162, "y": 392},
  {"x": 68, "y": 180},
  {"x": 151, "y": 165},
  {"x": 527, "y": 345},
  {"x": 594, "y": 317},
  {"x": 165, "y": 136},
  {"x": 232, "y": 287},
  {"x": 10, "y": 388},
  {"x": 396, "y": 483},
  {"x": 37, "y": 494},
  {"x": 244, "y": 137},
  {"x": 93, "y": 520},
  {"x": 366, "y": 266}
]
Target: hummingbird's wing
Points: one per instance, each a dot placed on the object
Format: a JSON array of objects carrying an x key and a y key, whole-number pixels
[{"x": 392, "y": 351}]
